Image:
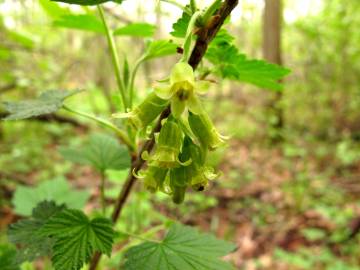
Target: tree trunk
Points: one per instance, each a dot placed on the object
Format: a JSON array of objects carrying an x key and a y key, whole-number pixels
[{"x": 272, "y": 23}]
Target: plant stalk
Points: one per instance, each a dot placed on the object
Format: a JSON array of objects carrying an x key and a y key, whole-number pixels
[
  {"x": 114, "y": 57},
  {"x": 102, "y": 193},
  {"x": 120, "y": 133},
  {"x": 206, "y": 36}
]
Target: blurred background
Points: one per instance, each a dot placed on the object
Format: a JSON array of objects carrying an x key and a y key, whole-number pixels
[{"x": 289, "y": 193}]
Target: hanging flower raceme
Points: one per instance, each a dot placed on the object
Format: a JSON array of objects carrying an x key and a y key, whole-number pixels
[
  {"x": 145, "y": 113},
  {"x": 168, "y": 146},
  {"x": 182, "y": 90}
]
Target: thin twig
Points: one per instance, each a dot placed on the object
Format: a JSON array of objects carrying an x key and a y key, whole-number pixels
[{"x": 205, "y": 36}]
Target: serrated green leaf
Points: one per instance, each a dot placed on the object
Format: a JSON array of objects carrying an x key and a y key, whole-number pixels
[
  {"x": 182, "y": 248},
  {"x": 48, "y": 102},
  {"x": 87, "y": 2},
  {"x": 181, "y": 25},
  {"x": 136, "y": 30},
  {"x": 103, "y": 152},
  {"x": 85, "y": 22},
  {"x": 231, "y": 64},
  {"x": 77, "y": 238},
  {"x": 26, "y": 233},
  {"x": 59, "y": 191},
  {"x": 8, "y": 258},
  {"x": 160, "y": 48}
]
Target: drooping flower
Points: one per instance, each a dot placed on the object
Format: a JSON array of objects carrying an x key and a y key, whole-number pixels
[
  {"x": 145, "y": 113},
  {"x": 154, "y": 178},
  {"x": 168, "y": 147},
  {"x": 195, "y": 175},
  {"x": 205, "y": 131},
  {"x": 182, "y": 90}
]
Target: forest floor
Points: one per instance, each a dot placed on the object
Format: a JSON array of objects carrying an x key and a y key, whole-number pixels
[{"x": 284, "y": 209}]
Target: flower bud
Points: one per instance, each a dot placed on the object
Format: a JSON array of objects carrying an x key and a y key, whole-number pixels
[
  {"x": 146, "y": 112},
  {"x": 205, "y": 131}
]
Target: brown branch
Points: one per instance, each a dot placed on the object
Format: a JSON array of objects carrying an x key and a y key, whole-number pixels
[
  {"x": 54, "y": 118},
  {"x": 205, "y": 36}
]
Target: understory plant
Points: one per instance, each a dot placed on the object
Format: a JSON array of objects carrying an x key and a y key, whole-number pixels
[{"x": 163, "y": 141}]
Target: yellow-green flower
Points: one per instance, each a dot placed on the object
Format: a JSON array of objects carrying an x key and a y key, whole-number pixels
[
  {"x": 182, "y": 90},
  {"x": 146, "y": 112},
  {"x": 154, "y": 178},
  {"x": 205, "y": 131},
  {"x": 168, "y": 146}
]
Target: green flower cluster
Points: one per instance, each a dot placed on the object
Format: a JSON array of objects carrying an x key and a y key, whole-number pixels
[{"x": 178, "y": 161}]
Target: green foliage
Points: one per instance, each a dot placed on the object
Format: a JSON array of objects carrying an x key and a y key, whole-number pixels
[
  {"x": 136, "y": 30},
  {"x": 7, "y": 258},
  {"x": 68, "y": 235},
  {"x": 181, "y": 25},
  {"x": 103, "y": 152},
  {"x": 26, "y": 233},
  {"x": 59, "y": 191},
  {"x": 88, "y": 2},
  {"x": 159, "y": 48},
  {"x": 85, "y": 22},
  {"x": 230, "y": 63},
  {"x": 182, "y": 248},
  {"x": 53, "y": 9},
  {"x": 77, "y": 238},
  {"x": 48, "y": 102}
]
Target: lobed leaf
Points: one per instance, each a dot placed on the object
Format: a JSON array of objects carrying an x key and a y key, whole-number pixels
[
  {"x": 77, "y": 238},
  {"x": 48, "y": 102},
  {"x": 230, "y": 63},
  {"x": 182, "y": 248},
  {"x": 103, "y": 152},
  {"x": 26, "y": 233},
  {"x": 180, "y": 26},
  {"x": 136, "y": 30}
]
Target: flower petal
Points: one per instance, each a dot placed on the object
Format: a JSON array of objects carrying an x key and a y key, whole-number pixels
[
  {"x": 201, "y": 87},
  {"x": 182, "y": 72},
  {"x": 163, "y": 91},
  {"x": 194, "y": 105},
  {"x": 177, "y": 107}
]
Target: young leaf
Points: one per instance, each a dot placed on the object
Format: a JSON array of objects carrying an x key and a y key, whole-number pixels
[
  {"x": 48, "y": 102},
  {"x": 182, "y": 248},
  {"x": 84, "y": 22},
  {"x": 59, "y": 191},
  {"x": 136, "y": 30},
  {"x": 26, "y": 233},
  {"x": 101, "y": 151},
  {"x": 8, "y": 258},
  {"x": 77, "y": 238},
  {"x": 229, "y": 63},
  {"x": 160, "y": 48},
  {"x": 180, "y": 27},
  {"x": 87, "y": 2}
]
